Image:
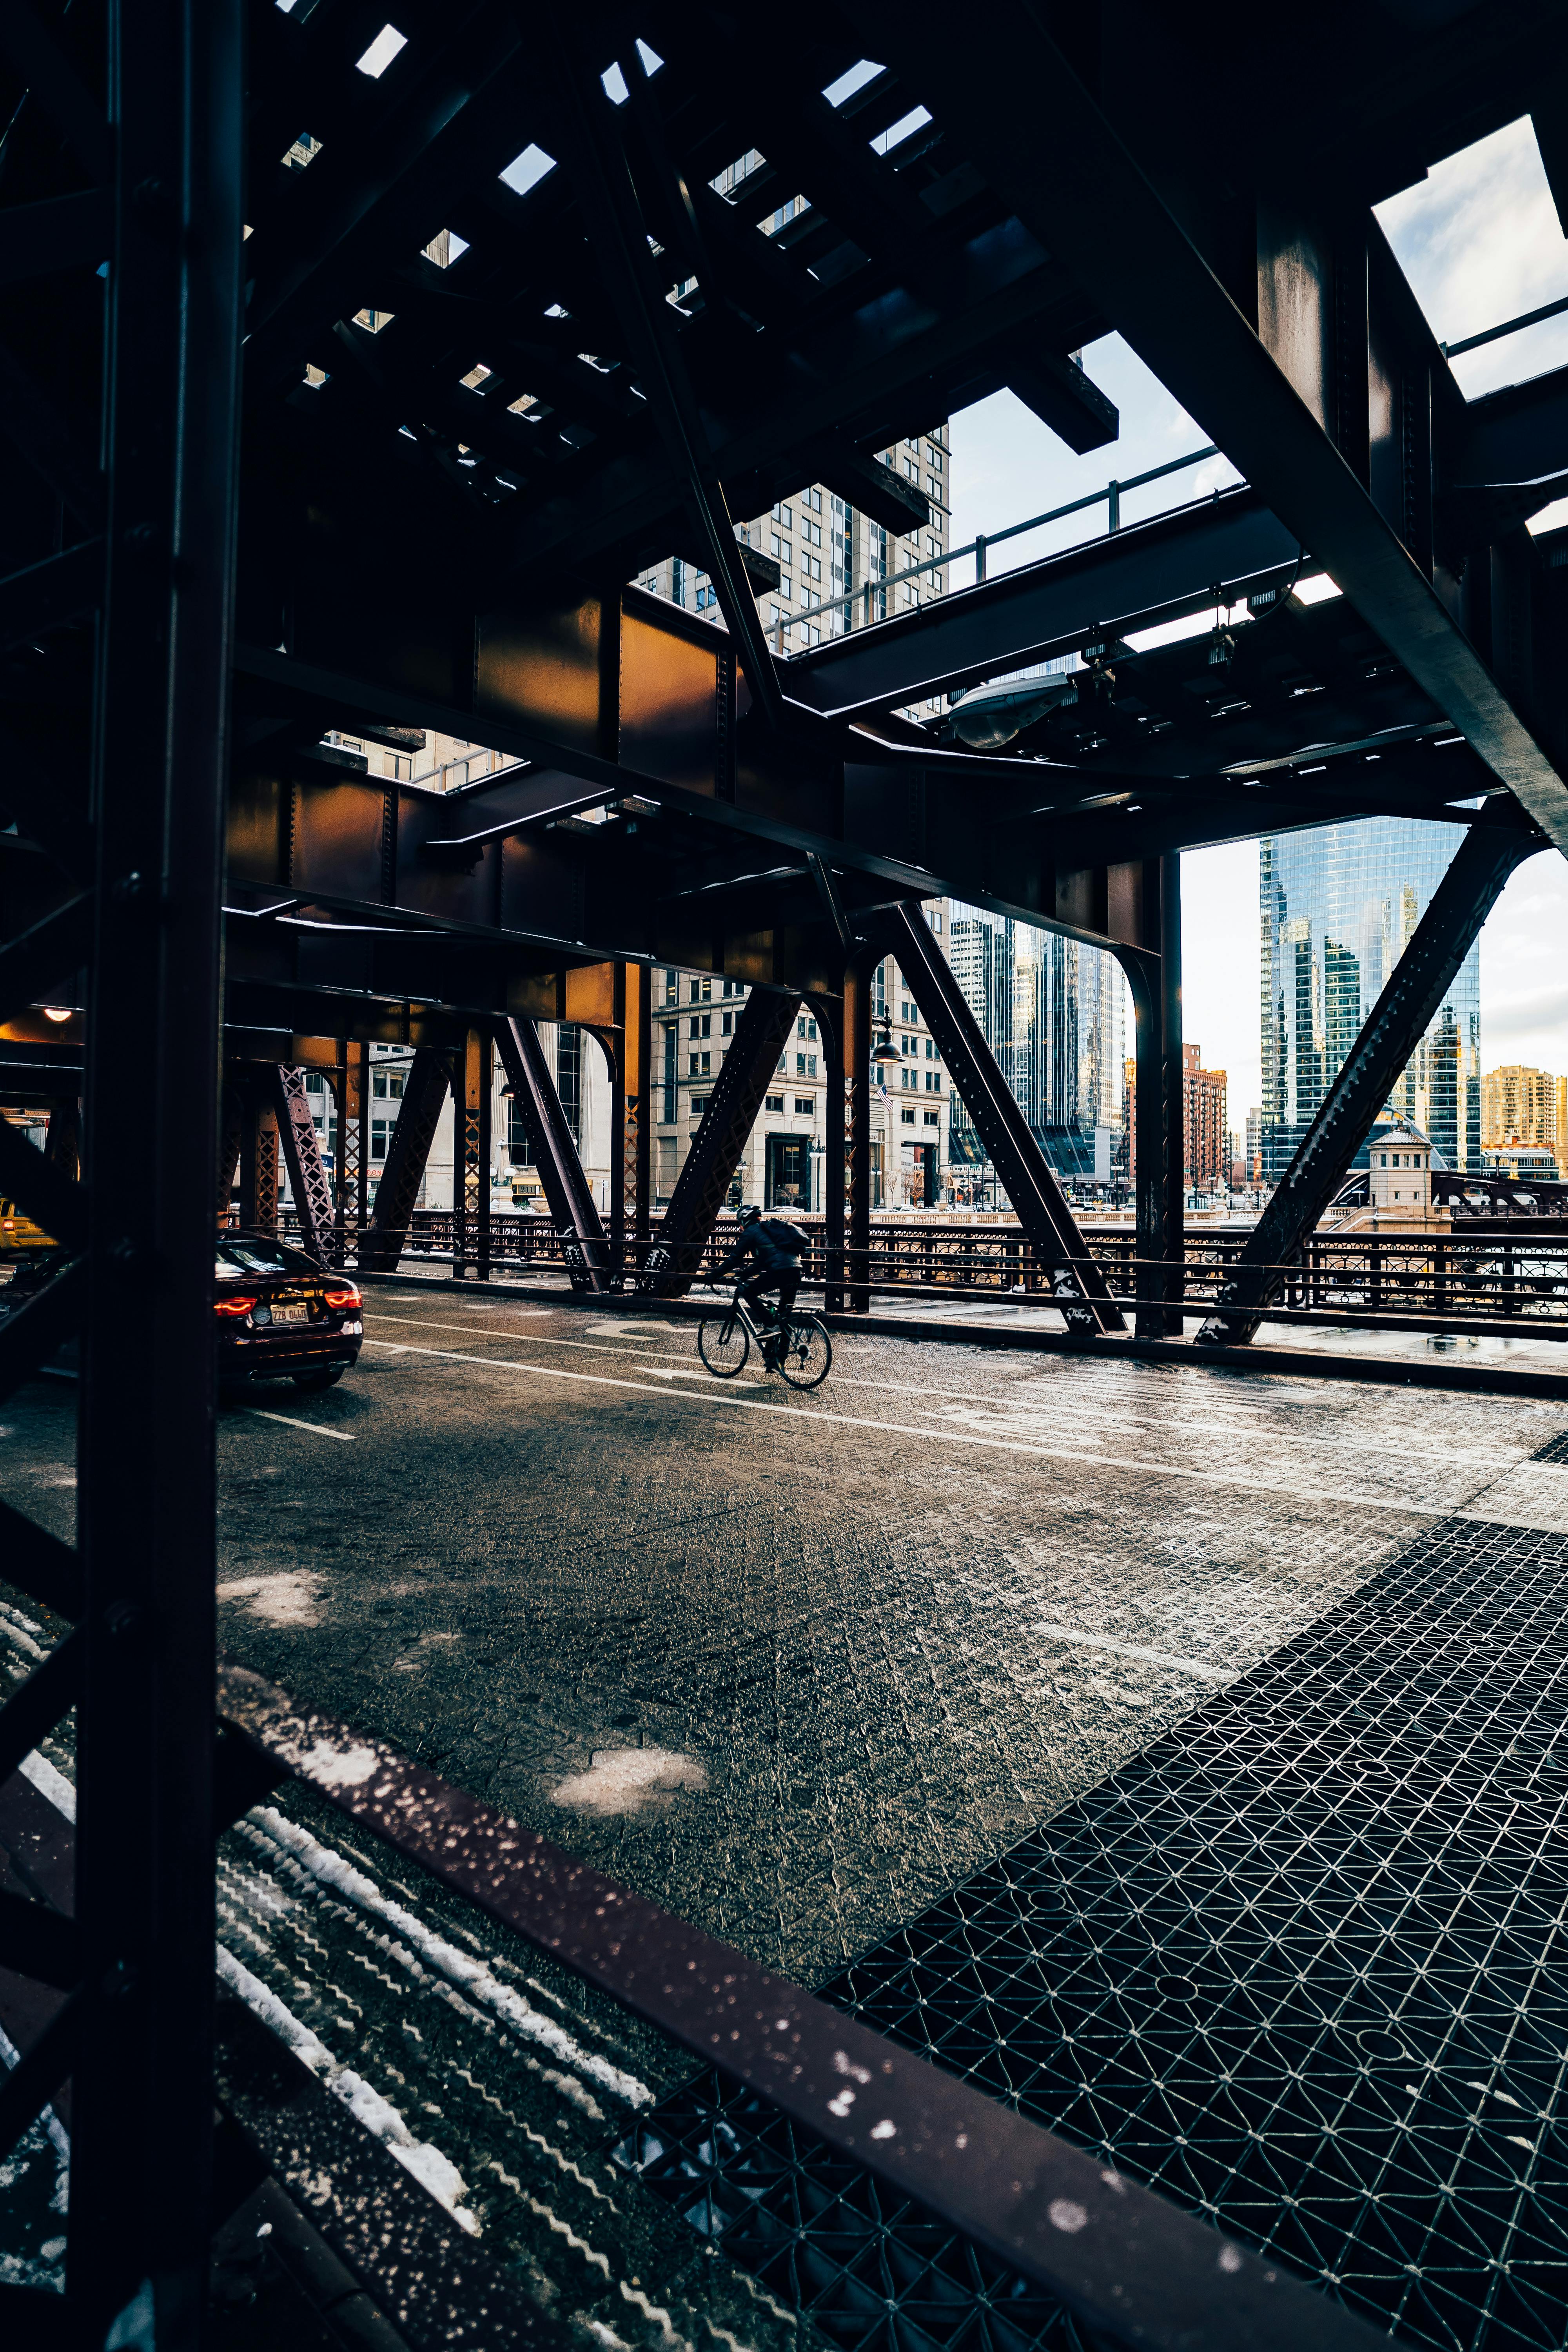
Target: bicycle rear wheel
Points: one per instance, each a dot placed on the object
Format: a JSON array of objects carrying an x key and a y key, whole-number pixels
[
  {"x": 722, "y": 1344},
  {"x": 806, "y": 1355}
]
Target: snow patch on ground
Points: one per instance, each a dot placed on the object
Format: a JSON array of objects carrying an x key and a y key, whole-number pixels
[
  {"x": 290, "y": 1599},
  {"x": 435, "y": 2171},
  {"x": 335, "y": 1871},
  {"x": 624, "y": 1779}
]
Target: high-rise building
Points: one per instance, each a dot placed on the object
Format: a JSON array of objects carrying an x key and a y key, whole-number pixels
[
  {"x": 1052, "y": 1011},
  {"x": 1206, "y": 1144},
  {"x": 833, "y": 560},
  {"x": 1338, "y": 906},
  {"x": 1521, "y": 1104}
]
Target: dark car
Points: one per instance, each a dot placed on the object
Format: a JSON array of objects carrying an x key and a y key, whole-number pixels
[{"x": 281, "y": 1315}]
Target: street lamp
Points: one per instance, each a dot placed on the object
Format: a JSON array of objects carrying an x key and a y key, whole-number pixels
[{"x": 885, "y": 1049}]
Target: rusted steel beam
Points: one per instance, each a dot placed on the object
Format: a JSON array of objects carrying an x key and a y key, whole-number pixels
[
  {"x": 747, "y": 1071},
  {"x": 424, "y": 1092},
  {"x": 302, "y": 1158}
]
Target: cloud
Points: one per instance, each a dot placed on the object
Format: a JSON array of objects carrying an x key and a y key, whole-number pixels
[{"x": 1480, "y": 242}]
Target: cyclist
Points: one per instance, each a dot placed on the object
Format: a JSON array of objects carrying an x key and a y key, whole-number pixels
[{"x": 775, "y": 1249}]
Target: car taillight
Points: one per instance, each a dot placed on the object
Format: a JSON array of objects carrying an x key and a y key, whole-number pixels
[
  {"x": 342, "y": 1298},
  {"x": 233, "y": 1306}
]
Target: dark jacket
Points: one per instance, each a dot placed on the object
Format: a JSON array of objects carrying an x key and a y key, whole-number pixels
[{"x": 775, "y": 1247}]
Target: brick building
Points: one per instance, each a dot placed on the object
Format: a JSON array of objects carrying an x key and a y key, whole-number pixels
[{"x": 1206, "y": 1138}]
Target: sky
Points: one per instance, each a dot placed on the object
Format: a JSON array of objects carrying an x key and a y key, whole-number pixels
[{"x": 1480, "y": 242}]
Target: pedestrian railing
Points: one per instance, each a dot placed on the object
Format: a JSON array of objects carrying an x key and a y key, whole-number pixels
[{"x": 1488, "y": 1281}]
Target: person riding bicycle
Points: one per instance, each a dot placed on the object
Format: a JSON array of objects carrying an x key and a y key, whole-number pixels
[{"x": 775, "y": 1249}]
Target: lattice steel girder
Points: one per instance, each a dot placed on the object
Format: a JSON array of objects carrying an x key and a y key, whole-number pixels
[
  {"x": 1083, "y": 193},
  {"x": 566, "y": 1188},
  {"x": 747, "y": 1070},
  {"x": 1415, "y": 990},
  {"x": 1039, "y": 1201},
  {"x": 424, "y": 1092},
  {"x": 312, "y": 1195}
]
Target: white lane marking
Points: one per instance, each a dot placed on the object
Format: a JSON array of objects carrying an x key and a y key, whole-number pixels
[
  {"x": 927, "y": 1430},
  {"x": 694, "y": 1372},
  {"x": 1222, "y": 1418},
  {"x": 1132, "y": 1650},
  {"x": 343, "y": 1436}
]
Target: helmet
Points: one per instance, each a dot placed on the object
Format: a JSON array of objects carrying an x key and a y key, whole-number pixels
[{"x": 748, "y": 1215}]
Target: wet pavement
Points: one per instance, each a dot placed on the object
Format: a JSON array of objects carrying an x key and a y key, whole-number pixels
[{"x": 794, "y": 1667}]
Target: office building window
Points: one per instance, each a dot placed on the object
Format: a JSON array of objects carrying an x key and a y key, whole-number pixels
[
  {"x": 933, "y": 1119},
  {"x": 907, "y": 1117},
  {"x": 699, "y": 1105},
  {"x": 698, "y": 1065},
  {"x": 671, "y": 1033},
  {"x": 380, "y": 1136},
  {"x": 314, "y": 1083},
  {"x": 804, "y": 1105},
  {"x": 933, "y": 1081},
  {"x": 773, "y": 1102},
  {"x": 805, "y": 1066},
  {"x": 518, "y": 1149},
  {"x": 569, "y": 1076},
  {"x": 702, "y": 1025}
]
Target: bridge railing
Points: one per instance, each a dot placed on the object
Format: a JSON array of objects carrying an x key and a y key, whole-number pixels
[{"x": 1494, "y": 1279}]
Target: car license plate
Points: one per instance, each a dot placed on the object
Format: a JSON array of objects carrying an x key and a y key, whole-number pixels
[{"x": 298, "y": 1312}]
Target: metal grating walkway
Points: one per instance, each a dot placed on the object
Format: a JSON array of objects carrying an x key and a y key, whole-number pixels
[
  {"x": 1555, "y": 1450},
  {"x": 1302, "y": 1966}
]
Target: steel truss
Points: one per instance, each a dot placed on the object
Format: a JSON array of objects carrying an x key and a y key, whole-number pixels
[{"x": 426, "y": 550}]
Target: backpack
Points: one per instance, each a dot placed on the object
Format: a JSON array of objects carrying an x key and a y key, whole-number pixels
[{"x": 783, "y": 1240}]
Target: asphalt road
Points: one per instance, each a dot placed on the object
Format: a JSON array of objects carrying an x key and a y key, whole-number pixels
[{"x": 793, "y": 1666}]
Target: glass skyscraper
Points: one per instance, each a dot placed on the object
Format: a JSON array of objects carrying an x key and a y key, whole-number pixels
[
  {"x": 1052, "y": 1012},
  {"x": 1339, "y": 904}
]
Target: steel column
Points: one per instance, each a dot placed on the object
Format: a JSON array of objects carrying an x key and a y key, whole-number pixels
[
  {"x": 566, "y": 1188},
  {"x": 231, "y": 1136},
  {"x": 258, "y": 1163},
  {"x": 1394, "y": 1028},
  {"x": 424, "y": 1092},
  {"x": 142, "y": 2105},
  {"x": 829, "y": 1014},
  {"x": 353, "y": 1146},
  {"x": 1174, "y": 1091},
  {"x": 302, "y": 1158},
  {"x": 1146, "y": 1142},
  {"x": 858, "y": 974},
  {"x": 636, "y": 1189},
  {"x": 471, "y": 1159},
  {"x": 1040, "y": 1204},
  {"x": 747, "y": 1069}
]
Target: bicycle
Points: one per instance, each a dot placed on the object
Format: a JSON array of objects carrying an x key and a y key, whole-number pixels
[{"x": 800, "y": 1348}]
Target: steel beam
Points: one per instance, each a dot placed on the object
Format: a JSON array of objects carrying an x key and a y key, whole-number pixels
[
  {"x": 637, "y": 1111},
  {"x": 1039, "y": 1204},
  {"x": 1083, "y": 193},
  {"x": 608, "y": 201},
  {"x": 1394, "y": 1028},
  {"x": 860, "y": 972},
  {"x": 747, "y": 1069},
  {"x": 424, "y": 1092},
  {"x": 313, "y": 1195},
  {"x": 352, "y": 1086},
  {"x": 566, "y": 1188},
  {"x": 259, "y": 1165},
  {"x": 471, "y": 1159},
  {"x": 1149, "y": 572},
  {"x": 142, "y": 2105},
  {"x": 230, "y": 1140}
]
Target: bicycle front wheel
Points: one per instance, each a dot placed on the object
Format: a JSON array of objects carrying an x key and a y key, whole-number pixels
[
  {"x": 807, "y": 1355},
  {"x": 722, "y": 1344}
]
